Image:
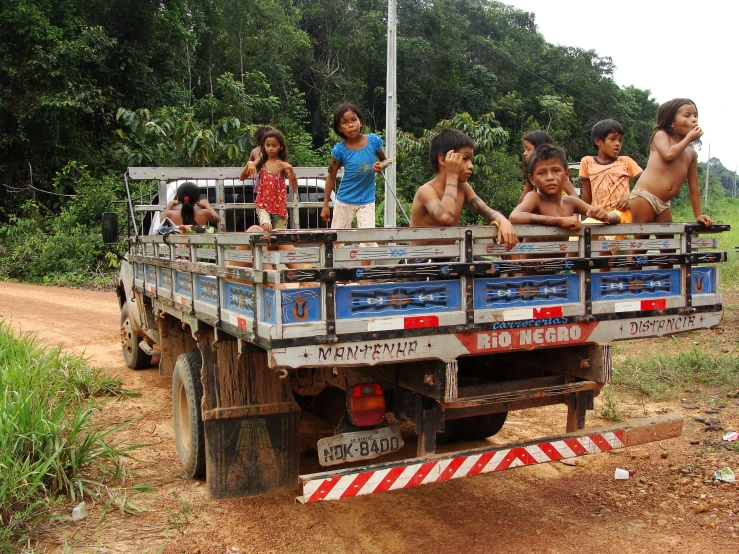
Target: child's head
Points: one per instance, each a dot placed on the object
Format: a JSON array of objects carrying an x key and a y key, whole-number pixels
[
  {"x": 260, "y": 132},
  {"x": 445, "y": 140},
  {"x": 532, "y": 140},
  {"x": 347, "y": 118},
  {"x": 188, "y": 194},
  {"x": 607, "y": 135},
  {"x": 274, "y": 145},
  {"x": 548, "y": 169},
  {"x": 682, "y": 108}
]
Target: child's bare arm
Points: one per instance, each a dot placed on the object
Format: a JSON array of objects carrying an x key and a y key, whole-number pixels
[
  {"x": 446, "y": 211},
  {"x": 333, "y": 169},
  {"x": 694, "y": 192},
  {"x": 287, "y": 168},
  {"x": 506, "y": 233},
  {"x": 569, "y": 188},
  {"x": 587, "y": 192},
  {"x": 381, "y": 163},
  {"x": 440, "y": 210},
  {"x": 527, "y": 188},
  {"x": 250, "y": 169},
  {"x": 213, "y": 216},
  {"x": 669, "y": 151},
  {"x": 525, "y": 214},
  {"x": 596, "y": 212}
]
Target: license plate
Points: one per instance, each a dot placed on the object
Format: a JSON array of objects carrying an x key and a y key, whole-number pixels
[{"x": 359, "y": 445}]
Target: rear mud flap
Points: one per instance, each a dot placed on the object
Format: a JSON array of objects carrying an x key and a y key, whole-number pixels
[
  {"x": 250, "y": 456},
  {"x": 358, "y": 481}
]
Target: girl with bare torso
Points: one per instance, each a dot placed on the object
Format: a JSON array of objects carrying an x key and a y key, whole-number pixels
[{"x": 671, "y": 162}]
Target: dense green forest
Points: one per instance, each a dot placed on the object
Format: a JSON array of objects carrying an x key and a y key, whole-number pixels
[{"x": 92, "y": 86}]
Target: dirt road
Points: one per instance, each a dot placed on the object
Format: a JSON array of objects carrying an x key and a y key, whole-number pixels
[{"x": 666, "y": 506}]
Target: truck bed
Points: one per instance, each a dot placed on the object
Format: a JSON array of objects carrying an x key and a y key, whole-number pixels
[{"x": 434, "y": 301}]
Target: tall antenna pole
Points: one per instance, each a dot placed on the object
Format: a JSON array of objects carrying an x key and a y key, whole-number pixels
[
  {"x": 708, "y": 172},
  {"x": 733, "y": 189},
  {"x": 391, "y": 113}
]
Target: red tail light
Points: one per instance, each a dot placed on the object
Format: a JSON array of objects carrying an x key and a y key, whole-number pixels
[{"x": 366, "y": 404}]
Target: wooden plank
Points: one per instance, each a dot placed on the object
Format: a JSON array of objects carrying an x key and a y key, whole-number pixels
[{"x": 555, "y": 248}]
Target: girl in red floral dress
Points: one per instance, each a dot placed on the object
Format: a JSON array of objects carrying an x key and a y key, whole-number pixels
[{"x": 272, "y": 167}]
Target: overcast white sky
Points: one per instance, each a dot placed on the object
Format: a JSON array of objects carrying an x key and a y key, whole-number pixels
[{"x": 675, "y": 49}]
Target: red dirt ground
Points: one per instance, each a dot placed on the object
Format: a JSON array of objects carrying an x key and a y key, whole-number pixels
[{"x": 668, "y": 505}]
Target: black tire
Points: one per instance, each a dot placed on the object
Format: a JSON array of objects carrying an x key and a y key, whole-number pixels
[
  {"x": 134, "y": 357},
  {"x": 187, "y": 392},
  {"x": 456, "y": 430},
  {"x": 472, "y": 428},
  {"x": 487, "y": 425}
]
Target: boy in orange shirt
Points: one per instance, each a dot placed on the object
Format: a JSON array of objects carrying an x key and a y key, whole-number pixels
[{"x": 605, "y": 177}]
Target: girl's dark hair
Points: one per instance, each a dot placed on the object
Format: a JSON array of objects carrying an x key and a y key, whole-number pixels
[
  {"x": 282, "y": 154},
  {"x": 666, "y": 115},
  {"x": 260, "y": 132},
  {"x": 188, "y": 194},
  {"x": 339, "y": 113},
  {"x": 546, "y": 152},
  {"x": 537, "y": 138}
]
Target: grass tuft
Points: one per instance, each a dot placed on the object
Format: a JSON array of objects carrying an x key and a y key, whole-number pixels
[
  {"x": 665, "y": 376},
  {"x": 49, "y": 445}
]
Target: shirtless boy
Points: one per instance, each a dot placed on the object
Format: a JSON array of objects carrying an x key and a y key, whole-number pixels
[
  {"x": 548, "y": 172},
  {"x": 439, "y": 202}
]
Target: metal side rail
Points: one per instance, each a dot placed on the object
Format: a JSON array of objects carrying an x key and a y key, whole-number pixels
[{"x": 403, "y": 474}]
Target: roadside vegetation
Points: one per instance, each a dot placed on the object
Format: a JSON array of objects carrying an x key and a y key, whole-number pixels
[
  {"x": 671, "y": 370},
  {"x": 51, "y": 447},
  {"x": 84, "y": 97}
]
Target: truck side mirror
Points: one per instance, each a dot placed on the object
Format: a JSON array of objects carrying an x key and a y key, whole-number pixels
[{"x": 110, "y": 228}]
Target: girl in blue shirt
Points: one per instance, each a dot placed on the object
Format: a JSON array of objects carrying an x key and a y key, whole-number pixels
[{"x": 362, "y": 156}]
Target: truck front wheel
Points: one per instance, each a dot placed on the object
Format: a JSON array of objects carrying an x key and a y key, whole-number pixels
[
  {"x": 187, "y": 392},
  {"x": 134, "y": 357}
]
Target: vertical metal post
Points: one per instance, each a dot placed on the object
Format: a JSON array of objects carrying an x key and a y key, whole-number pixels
[
  {"x": 391, "y": 112},
  {"x": 708, "y": 173},
  {"x": 220, "y": 199}
]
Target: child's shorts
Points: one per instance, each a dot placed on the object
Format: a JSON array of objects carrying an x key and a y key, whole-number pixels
[{"x": 275, "y": 220}]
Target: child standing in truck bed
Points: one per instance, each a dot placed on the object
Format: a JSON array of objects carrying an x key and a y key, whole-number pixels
[
  {"x": 605, "y": 177},
  {"x": 362, "y": 157},
  {"x": 250, "y": 169},
  {"x": 273, "y": 166},
  {"x": 439, "y": 202},
  {"x": 671, "y": 161}
]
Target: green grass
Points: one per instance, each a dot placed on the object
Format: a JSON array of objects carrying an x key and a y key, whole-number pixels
[
  {"x": 50, "y": 447},
  {"x": 666, "y": 376},
  {"x": 609, "y": 405},
  {"x": 725, "y": 211}
]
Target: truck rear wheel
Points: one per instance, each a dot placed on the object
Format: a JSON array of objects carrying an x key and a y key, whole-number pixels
[
  {"x": 471, "y": 428},
  {"x": 487, "y": 425},
  {"x": 187, "y": 393},
  {"x": 134, "y": 357}
]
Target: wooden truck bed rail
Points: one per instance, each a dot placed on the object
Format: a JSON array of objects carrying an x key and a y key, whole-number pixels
[{"x": 441, "y": 301}]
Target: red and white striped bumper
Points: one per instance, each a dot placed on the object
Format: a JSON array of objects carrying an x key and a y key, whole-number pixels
[{"x": 403, "y": 474}]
